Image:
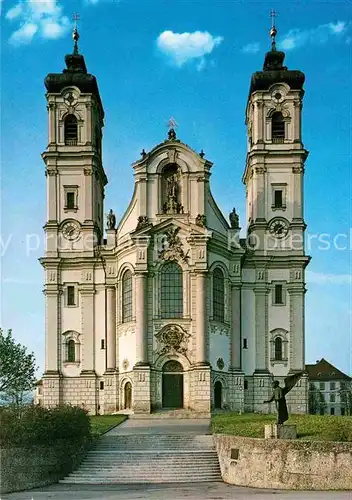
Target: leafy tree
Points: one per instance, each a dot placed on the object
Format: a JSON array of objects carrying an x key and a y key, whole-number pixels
[
  {"x": 17, "y": 369},
  {"x": 346, "y": 396}
]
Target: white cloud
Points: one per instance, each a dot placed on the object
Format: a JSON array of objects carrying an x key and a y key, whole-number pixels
[
  {"x": 24, "y": 34},
  {"x": 37, "y": 17},
  {"x": 319, "y": 35},
  {"x": 14, "y": 12},
  {"x": 184, "y": 47},
  {"x": 328, "y": 279},
  {"x": 251, "y": 48}
]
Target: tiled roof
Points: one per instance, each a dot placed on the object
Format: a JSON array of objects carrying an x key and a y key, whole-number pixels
[{"x": 323, "y": 370}]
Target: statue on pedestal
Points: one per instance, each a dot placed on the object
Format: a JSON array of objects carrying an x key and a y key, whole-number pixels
[
  {"x": 234, "y": 219},
  {"x": 111, "y": 220},
  {"x": 279, "y": 393}
]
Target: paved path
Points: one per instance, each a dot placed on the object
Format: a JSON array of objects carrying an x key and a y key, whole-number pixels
[
  {"x": 162, "y": 426},
  {"x": 200, "y": 491}
]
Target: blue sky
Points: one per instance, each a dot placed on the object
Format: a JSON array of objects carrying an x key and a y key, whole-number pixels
[{"x": 191, "y": 60}]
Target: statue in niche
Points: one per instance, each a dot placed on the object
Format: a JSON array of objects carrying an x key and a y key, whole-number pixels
[
  {"x": 111, "y": 220},
  {"x": 234, "y": 219},
  {"x": 172, "y": 205},
  {"x": 279, "y": 393}
]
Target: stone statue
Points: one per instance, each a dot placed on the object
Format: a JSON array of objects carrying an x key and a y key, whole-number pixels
[
  {"x": 279, "y": 393},
  {"x": 111, "y": 220},
  {"x": 142, "y": 221},
  {"x": 172, "y": 205},
  {"x": 201, "y": 220},
  {"x": 171, "y": 134},
  {"x": 234, "y": 219},
  {"x": 172, "y": 187}
]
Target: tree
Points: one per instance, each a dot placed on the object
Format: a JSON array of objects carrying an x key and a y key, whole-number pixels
[
  {"x": 346, "y": 396},
  {"x": 17, "y": 368}
]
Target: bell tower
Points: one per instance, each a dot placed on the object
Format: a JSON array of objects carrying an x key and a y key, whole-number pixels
[
  {"x": 73, "y": 229},
  {"x": 275, "y": 160},
  {"x": 276, "y": 258},
  {"x": 73, "y": 158}
]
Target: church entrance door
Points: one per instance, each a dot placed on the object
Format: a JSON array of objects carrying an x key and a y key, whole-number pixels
[
  {"x": 218, "y": 394},
  {"x": 128, "y": 395},
  {"x": 172, "y": 385}
]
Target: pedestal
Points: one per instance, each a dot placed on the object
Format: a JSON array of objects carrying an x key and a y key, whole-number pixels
[
  {"x": 275, "y": 431},
  {"x": 141, "y": 389}
]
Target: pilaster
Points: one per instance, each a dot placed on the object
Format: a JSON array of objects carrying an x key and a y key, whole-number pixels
[
  {"x": 235, "y": 327},
  {"x": 141, "y": 319},
  {"x": 88, "y": 330},
  {"x": 111, "y": 328},
  {"x": 201, "y": 320},
  {"x": 296, "y": 295}
]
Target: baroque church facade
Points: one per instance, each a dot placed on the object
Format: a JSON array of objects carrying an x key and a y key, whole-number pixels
[{"x": 171, "y": 308}]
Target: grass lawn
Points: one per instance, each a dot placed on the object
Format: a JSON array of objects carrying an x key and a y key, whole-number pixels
[
  {"x": 102, "y": 423},
  {"x": 309, "y": 427}
]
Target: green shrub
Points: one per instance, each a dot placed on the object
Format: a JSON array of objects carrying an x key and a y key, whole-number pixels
[{"x": 39, "y": 425}]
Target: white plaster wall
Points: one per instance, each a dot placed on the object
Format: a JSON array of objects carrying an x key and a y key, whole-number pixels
[
  {"x": 219, "y": 347},
  {"x": 71, "y": 179},
  {"x": 127, "y": 350},
  {"x": 214, "y": 221},
  {"x": 99, "y": 318},
  {"x": 248, "y": 330},
  {"x": 129, "y": 220}
]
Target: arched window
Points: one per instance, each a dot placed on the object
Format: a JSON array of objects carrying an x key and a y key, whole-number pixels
[
  {"x": 277, "y": 127},
  {"x": 278, "y": 349},
  {"x": 171, "y": 291},
  {"x": 71, "y": 351},
  {"x": 218, "y": 295},
  {"x": 127, "y": 297},
  {"x": 71, "y": 130}
]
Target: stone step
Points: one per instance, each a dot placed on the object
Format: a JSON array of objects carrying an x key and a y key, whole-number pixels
[
  {"x": 172, "y": 414},
  {"x": 153, "y": 480},
  {"x": 149, "y": 459},
  {"x": 145, "y": 463}
]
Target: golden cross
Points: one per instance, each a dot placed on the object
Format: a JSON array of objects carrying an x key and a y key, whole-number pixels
[
  {"x": 75, "y": 18},
  {"x": 273, "y": 14}
]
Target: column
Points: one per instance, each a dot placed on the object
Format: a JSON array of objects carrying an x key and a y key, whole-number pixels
[
  {"x": 87, "y": 298},
  {"x": 297, "y": 121},
  {"x": 52, "y": 195},
  {"x": 259, "y": 194},
  {"x": 88, "y": 208},
  {"x": 297, "y": 329},
  {"x": 89, "y": 136},
  {"x": 236, "y": 327},
  {"x": 111, "y": 328},
  {"x": 52, "y": 123},
  {"x": 52, "y": 342},
  {"x": 201, "y": 321},
  {"x": 297, "y": 172},
  {"x": 261, "y": 314},
  {"x": 141, "y": 319},
  {"x": 260, "y": 122}
]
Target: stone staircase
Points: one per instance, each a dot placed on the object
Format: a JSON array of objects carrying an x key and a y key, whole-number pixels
[{"x": 148, "y": 458}]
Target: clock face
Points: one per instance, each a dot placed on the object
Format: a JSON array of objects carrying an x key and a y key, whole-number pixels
[
  {"x": 71, "y": 231},
  {"x": 279, "y": 228}
]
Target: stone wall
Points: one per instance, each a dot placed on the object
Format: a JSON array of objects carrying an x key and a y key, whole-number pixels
[
  {"x": 33, "y": 466},
  {"x": 283, "y": 464}
]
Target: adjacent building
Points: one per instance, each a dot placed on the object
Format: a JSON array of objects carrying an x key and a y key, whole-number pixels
[
  {"x": 330, "y": 390},
  {"x": 170, "y": 307}
]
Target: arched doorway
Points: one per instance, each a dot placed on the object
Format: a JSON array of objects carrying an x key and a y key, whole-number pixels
[
  {"x": 218, "y": 394},
  {"x": 172, "y": 385},
  {"x": 128, "y": 395}
]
